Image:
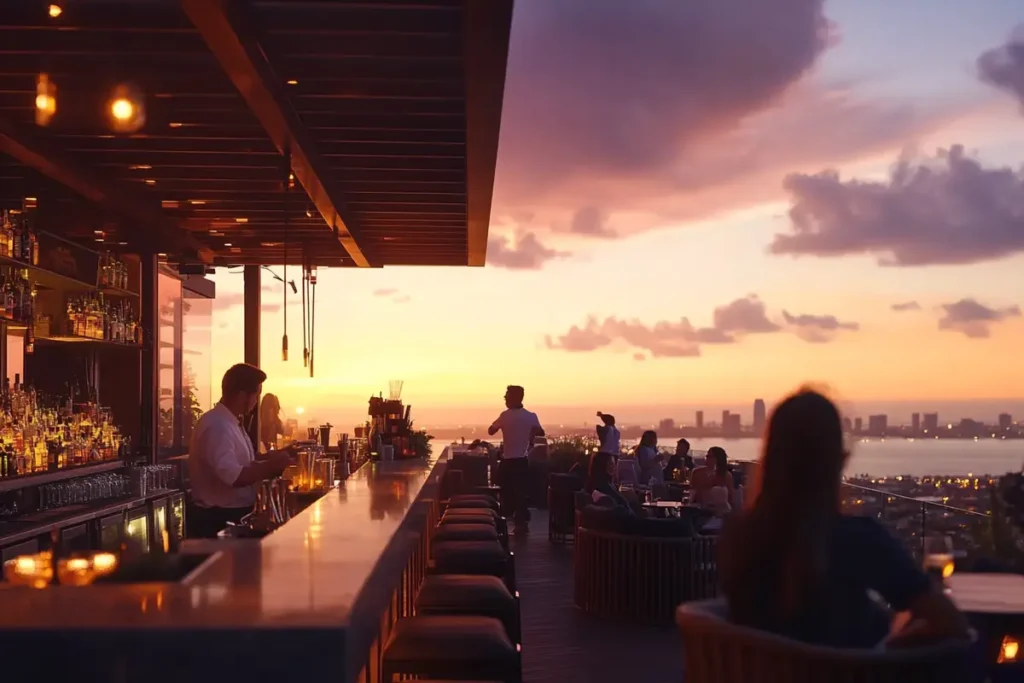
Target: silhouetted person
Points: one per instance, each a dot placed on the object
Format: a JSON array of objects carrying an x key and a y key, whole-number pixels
[
  {"x": 518, "y": 428},
  {"x": 608, "y": 434},
  {"x": 648, "y": 459},
  {"x": 679, "y": 461},
  {"x": 714, "y": 474},
  {"x": 792, "y": 564}
]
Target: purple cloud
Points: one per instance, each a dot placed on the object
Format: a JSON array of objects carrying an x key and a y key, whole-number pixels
[
  {"x": 1003, "y": 67},
  {"x": 745, "y": 315},
  {"x": 639, "y": 357},
  {"x": 974, "y": 319},
  {"x": 817, "y": 329},
  {"x": 944, "y": 210},
  {"x": 526, "y": 254},
  {"x": 591, "y": 221},
  {"x": 906, "y": 306}
]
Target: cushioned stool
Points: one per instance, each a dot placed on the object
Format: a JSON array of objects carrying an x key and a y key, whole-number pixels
[
  {"x": 455, "y": 647},
  {"x": 464, "y": 532},
  {"x": 486, "y": 558},
  {"x": 464, "y": 594},
  {"x": 475, "y": 516},
  {"x": 471, "y": 503}
]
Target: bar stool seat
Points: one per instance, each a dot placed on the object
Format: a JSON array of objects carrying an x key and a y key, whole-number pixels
[
  {"x": 485, "y": 512},
  {"x": 474, "y": 497},
  {"x": 463, "y": 594},
  {"x": 476, "y": 516},
  {"x": 460, "y": 648},
  {"x": 468, "y": 519},
  {"x": 483, "y": 558},
  {"x": 465, "y": 532},
  {"x": 458, "y": 503}
]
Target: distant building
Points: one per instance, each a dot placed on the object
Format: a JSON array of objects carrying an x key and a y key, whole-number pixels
[
  {"x": 731, "y": 425},
  {"x": 878, "y": 425},
  {"x": 667, "y": 425},
  {"x": 930, "y": 423},
  {"x": 858, "y": 425},
  {"x": 915, "y": 423},
  {"x": 759, "y": 416},
  {"x": 847, "y": 425},
  {"x": 700, "y": 419},
  {"x": 1005, "y": 422},
  {"x": 969, "y": 427}
]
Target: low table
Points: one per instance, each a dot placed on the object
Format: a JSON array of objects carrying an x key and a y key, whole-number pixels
[
  {"x": 665, "y": 508},
  {"x": 994, "y": 594}
]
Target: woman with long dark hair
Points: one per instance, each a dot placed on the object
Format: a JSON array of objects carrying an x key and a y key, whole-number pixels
[
  {"x": 794, "y": 565},
  {"x": 648, "y": 458},
  {"x": 714, "y": 474},
  {"x": 270, "y": 421},
  {"x": 599, "y": 480}
]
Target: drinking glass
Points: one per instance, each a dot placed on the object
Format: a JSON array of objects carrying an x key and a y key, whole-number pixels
[{"x": 938, "y": 556}]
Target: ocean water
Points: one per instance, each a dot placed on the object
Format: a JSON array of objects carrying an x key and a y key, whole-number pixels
[{"x": 891, "y": 457}]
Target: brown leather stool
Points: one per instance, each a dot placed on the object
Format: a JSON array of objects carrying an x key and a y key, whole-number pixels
[
  {"x": 481, "y": 558},
  {"x": 466, "y": 594},
  {"x": 460, "y": 648}
]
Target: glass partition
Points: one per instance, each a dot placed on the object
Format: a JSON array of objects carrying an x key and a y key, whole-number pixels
[
  {"x": 169, "y": 442},
  {"x": 196, "y": 354}
]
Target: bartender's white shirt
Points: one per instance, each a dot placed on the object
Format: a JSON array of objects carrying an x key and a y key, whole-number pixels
[{"x": 218, "y": 451}]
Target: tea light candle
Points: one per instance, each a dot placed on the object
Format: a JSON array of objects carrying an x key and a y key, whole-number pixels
[{"x": 29, "y": 570}]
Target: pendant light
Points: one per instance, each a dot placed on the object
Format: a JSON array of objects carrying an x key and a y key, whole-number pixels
[{"x": 288, "y": 184}]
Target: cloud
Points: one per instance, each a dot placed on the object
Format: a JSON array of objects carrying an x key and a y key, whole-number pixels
[
  {"x": 591, "y": 221},
  {"x": 387, "y": 291},
  {"x": 943, "y": 210},
  {"x": 676, "y": 110},
  {"x": 404, "y": 299},
  {"x": 681, "y": 339},
  {"x": 526, "y": 254},
  {"x": 974, "y": 319},
  {"x": 639, "y": 357},
  {"x": 906, "y": 306},
  {"x": 226, "y": 300},
  {"x": 817, "y": 329},
  {"x": 1003, "y": 67}
]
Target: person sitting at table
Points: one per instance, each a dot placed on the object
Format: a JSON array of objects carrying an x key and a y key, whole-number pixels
[
  {"x": 648, "y": 459},
  {"x": 715, "y": 473},
  {"x": 794, "y": 565},
  {"x": 600, "y": 486},
  {"x": 271, "y": 425},
  {"x": 679, "y": 462}
]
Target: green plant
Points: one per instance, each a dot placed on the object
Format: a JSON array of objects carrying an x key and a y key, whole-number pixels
[
  {"x": 566, "y": 451},
  {"x": 419, "y": 441}
]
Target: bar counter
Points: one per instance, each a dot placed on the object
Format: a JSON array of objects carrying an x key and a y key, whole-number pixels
[{"x": 310, "y": 599}]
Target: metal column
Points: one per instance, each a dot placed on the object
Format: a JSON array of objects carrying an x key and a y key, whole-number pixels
[{"x": 252, "y": 283}]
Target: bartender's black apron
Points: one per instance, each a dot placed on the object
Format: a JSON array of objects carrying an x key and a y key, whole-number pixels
[{"x": 208, "y": 522}]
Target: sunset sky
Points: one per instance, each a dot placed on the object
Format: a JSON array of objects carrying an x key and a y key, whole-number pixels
[{"x": 702, "y": 203}]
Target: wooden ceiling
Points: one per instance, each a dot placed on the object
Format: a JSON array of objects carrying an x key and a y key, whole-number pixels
[{"x": 385, "y": 112}]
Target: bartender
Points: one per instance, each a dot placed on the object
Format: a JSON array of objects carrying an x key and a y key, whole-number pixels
[{"x": 224, "y": 469}]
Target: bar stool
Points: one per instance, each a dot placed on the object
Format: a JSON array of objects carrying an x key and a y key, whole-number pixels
[
  {"x": 481, "y": 558},
  {"x": 469, "y": 595},
  {"x": 465, "y": 532},
  {"x": 476, "y": 516},
  {"x": 458, "y": 648},
  {"x": 472, "y": 502}
]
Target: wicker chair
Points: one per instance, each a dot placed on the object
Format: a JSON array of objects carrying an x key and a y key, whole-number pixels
[
  {"x": 561, "y": 506},
  {"x": 632, "y": 573},
  {"x": 717, "y": 651}
]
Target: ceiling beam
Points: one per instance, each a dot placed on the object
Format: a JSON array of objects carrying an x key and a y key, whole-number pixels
[
  {"x": 118, "y": 197},
  {"x": 487, "y": 29},
  {"x": 234, "y": 45}
]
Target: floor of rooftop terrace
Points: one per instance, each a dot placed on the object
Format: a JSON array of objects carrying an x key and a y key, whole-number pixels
[{"x": 563, "y": 645}]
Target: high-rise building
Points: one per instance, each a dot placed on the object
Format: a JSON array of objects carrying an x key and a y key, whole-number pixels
[
  {"x": 759, "y": 416},
  {"x": 667, "y": 425},
  {"x": 878, "y": 425},
  {"x": 915, "y": 423},
  {"x": 1005, "y": 421},
  {"x": 731, "y": 425},
  {"x": 847, "y": 425},
  {"x": 700, "y": 419},
  {"x": 858, "y": 425},
  {"x": 930, "y": 423}
]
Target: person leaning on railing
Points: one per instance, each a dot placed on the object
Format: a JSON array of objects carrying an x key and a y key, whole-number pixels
[{"x": 793, "y": 565}]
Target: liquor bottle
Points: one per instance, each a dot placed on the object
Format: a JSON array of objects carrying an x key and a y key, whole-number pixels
[
  {"x": 26, "y": 240},
  {"x": 5, "y": 224},
  {"x": 8, "y": 294},
  {"x": 35, "y": 249},
  {"x": 16, "y": 243}
]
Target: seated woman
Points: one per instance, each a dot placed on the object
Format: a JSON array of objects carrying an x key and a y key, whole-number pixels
[
  {"x": 716, "y": 502},
  {"x": 600, "y": 485},
  {"x": 648, "y": 459},
  {"x": 794, "y": 565},
  {"x": 714, "y": 474},
  {"x": 271, "y": 425}
]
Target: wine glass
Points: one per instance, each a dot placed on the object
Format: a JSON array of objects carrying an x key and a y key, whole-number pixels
[{"x": 938, "y": 556}]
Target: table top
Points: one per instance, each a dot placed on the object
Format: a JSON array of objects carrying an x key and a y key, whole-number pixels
[
  {"x": 665, "y": 504},
  {"x": 987, "y": 593}
]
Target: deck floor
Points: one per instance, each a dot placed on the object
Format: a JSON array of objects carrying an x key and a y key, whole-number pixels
[{"x": 561, "y": 645}]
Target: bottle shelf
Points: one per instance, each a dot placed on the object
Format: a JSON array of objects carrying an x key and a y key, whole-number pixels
[
  {"x": 73, "y": 339},
  {"x": 40, "y": 478}
]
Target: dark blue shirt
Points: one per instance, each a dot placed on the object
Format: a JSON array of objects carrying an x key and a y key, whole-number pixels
[{"x": 860, "y": 556}]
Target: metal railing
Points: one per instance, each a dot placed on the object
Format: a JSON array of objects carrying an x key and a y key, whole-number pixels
[{"x": 912, "y": 520}]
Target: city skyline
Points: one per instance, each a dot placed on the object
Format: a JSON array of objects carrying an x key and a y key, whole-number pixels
[{"x": 736, "y": 234}]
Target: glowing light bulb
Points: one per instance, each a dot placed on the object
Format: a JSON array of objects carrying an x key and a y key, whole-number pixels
[
  {"x": 122, "y": 109},
  {"x": 55, "y": 10},
  {"x": 46, "y": 100}
]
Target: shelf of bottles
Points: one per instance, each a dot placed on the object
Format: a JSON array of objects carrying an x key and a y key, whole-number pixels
[
  {"x": 39, "y": 435},
  {"x": 99, "y": 311}
]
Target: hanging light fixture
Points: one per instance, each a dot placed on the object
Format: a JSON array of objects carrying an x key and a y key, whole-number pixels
[
  {"x": 288, "y": 184},
  {"x": 55, "y": 9},
  {"x": 46, "y": 100},
  {"x": 305, "y": 319},
  {"x": 126, "y": 109},
  {"x": 312, "y": 315}
]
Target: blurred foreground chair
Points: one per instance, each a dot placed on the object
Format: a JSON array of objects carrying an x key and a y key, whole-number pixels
[{"x": 718, "y": 651}]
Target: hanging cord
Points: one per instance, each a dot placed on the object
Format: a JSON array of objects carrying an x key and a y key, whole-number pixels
[
  {"x": 312, "y": 316},
  {"x": 287, "y": 208},
  {"x": 305, "y": 319}
]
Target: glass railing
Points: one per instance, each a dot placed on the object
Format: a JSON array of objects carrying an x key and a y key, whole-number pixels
[{"x": 912, "y": 520}]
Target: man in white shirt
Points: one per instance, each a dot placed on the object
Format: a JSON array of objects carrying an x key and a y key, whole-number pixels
[
  {"x": 223, "y": 466},
  {"x": 608, "y": 434},
  {"x": 519, "y": 427}
]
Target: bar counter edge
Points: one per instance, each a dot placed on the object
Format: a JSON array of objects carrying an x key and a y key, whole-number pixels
[{"x": 314, "y": 599}]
